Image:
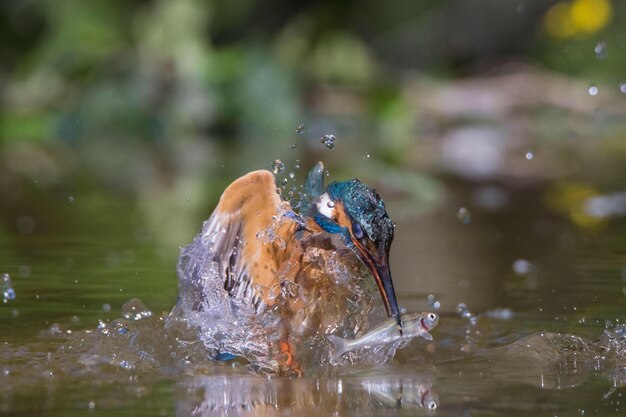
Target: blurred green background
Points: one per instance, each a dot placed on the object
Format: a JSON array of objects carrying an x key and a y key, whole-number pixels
[{"x": 126, "y": 119}]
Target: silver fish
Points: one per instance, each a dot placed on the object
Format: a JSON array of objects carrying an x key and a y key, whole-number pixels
[
  {"x": 402, "y": 392},
  {"x": 413, "y": 325}
]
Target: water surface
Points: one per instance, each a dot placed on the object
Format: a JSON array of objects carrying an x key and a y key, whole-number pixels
[{"x": 539, "y": 334}]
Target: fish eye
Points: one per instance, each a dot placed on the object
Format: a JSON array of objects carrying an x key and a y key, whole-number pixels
[
  {"x": 432, "y": 316},
  {"x": 357, "y": 230}
]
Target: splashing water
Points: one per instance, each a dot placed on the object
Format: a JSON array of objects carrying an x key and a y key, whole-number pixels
[
  {"x": 6, "y": 287},
  {"x": 466, "y": 314},
  {"x": 470, "y": 327},
  {"x": 135, "y": 309},
  {"x": 336, "y": 296},
  {"x": 328, "y": 141},
  {"x": 433, "y": 302},
  {"x": 278, "y": 166}
]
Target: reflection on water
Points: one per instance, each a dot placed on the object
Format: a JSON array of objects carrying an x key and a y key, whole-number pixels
[{"x": 237, "y": 395}]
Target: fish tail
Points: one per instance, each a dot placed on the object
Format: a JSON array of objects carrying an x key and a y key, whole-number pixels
[{"x": 339, "y": 345}]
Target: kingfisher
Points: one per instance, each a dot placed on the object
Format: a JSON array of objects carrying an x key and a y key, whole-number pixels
[{"x": 252, "y": 256}]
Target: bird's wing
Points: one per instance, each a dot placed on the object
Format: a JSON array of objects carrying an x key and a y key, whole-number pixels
[{"x": 247, "y": 234}]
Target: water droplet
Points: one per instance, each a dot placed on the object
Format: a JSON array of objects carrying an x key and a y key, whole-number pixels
[
  {"x": 464, "y": 215},
  {"x": 622, "y": 88},
  {"x": 601, "y": 50},
  {"x": 135, "y": 309},
  {"x": 330, "y": 204},
  {"x": 300, "y": 129},
  {"x": 366, "y": 156},
  {"x": 278, "y": 166},
  {"x": 92, "y": 405},
  {"x": 70, "y": 199},
  {"x": 292, "y": 175},
  {"x": 433, "y": 303},
  {"x": 465, "y": 313},
  {"x": 522, "y": 267},
  {"x": 328, "y": 141},
  {"x": 6, "y": 287},
  {"x": 284, "y": 181},
  {"x": 593, "y": 90},
  {"x": 529, "y": 155},
  {"x": 106, "y": 307},
  {"x": 293, "y": 146},
  {"x": 297, "y": 164}
]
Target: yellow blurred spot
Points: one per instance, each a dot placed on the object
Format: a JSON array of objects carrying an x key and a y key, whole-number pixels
[
  {"x": 569, "y": 198},
  {"x": 557, "y": 21},
  {"x": 589, "y": 16},
  {"x": 578, "y": 18}
]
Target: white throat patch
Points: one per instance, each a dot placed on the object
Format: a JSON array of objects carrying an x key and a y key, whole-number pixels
[{"x": 325, "y": 206}]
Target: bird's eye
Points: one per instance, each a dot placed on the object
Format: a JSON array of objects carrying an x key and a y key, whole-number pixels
[{"x": 357, "y": 231}]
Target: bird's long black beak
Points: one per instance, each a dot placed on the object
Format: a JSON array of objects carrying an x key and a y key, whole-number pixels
[
  {"x": 385, "y": 286},
  {"x": 379, "y": 267}
]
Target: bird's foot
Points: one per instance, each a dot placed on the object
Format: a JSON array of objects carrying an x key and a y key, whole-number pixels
[{"x": 288, "y": 363}]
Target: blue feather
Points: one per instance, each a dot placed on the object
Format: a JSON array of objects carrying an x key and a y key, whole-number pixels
[{"x": 224, "y": 357}]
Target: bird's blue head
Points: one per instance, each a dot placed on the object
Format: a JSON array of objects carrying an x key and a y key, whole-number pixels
[{"x": 356, "y": 212}]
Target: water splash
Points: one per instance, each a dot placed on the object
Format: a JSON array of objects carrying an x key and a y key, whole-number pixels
[
  {"x": 135, "y": 309},
  {"x": 433, "y": 302},
  {"x": 6, "y": 287},
  {"x": 328, "y": 141},
  {"x": 471, "y": 333},
  {"x": 278, "y": 166},
  {"x": 336, "y": 296},
  {"x": 465, "y": 313}
]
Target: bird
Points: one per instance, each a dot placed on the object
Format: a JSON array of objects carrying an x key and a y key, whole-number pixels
[{"x": 258, "y": 247}]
